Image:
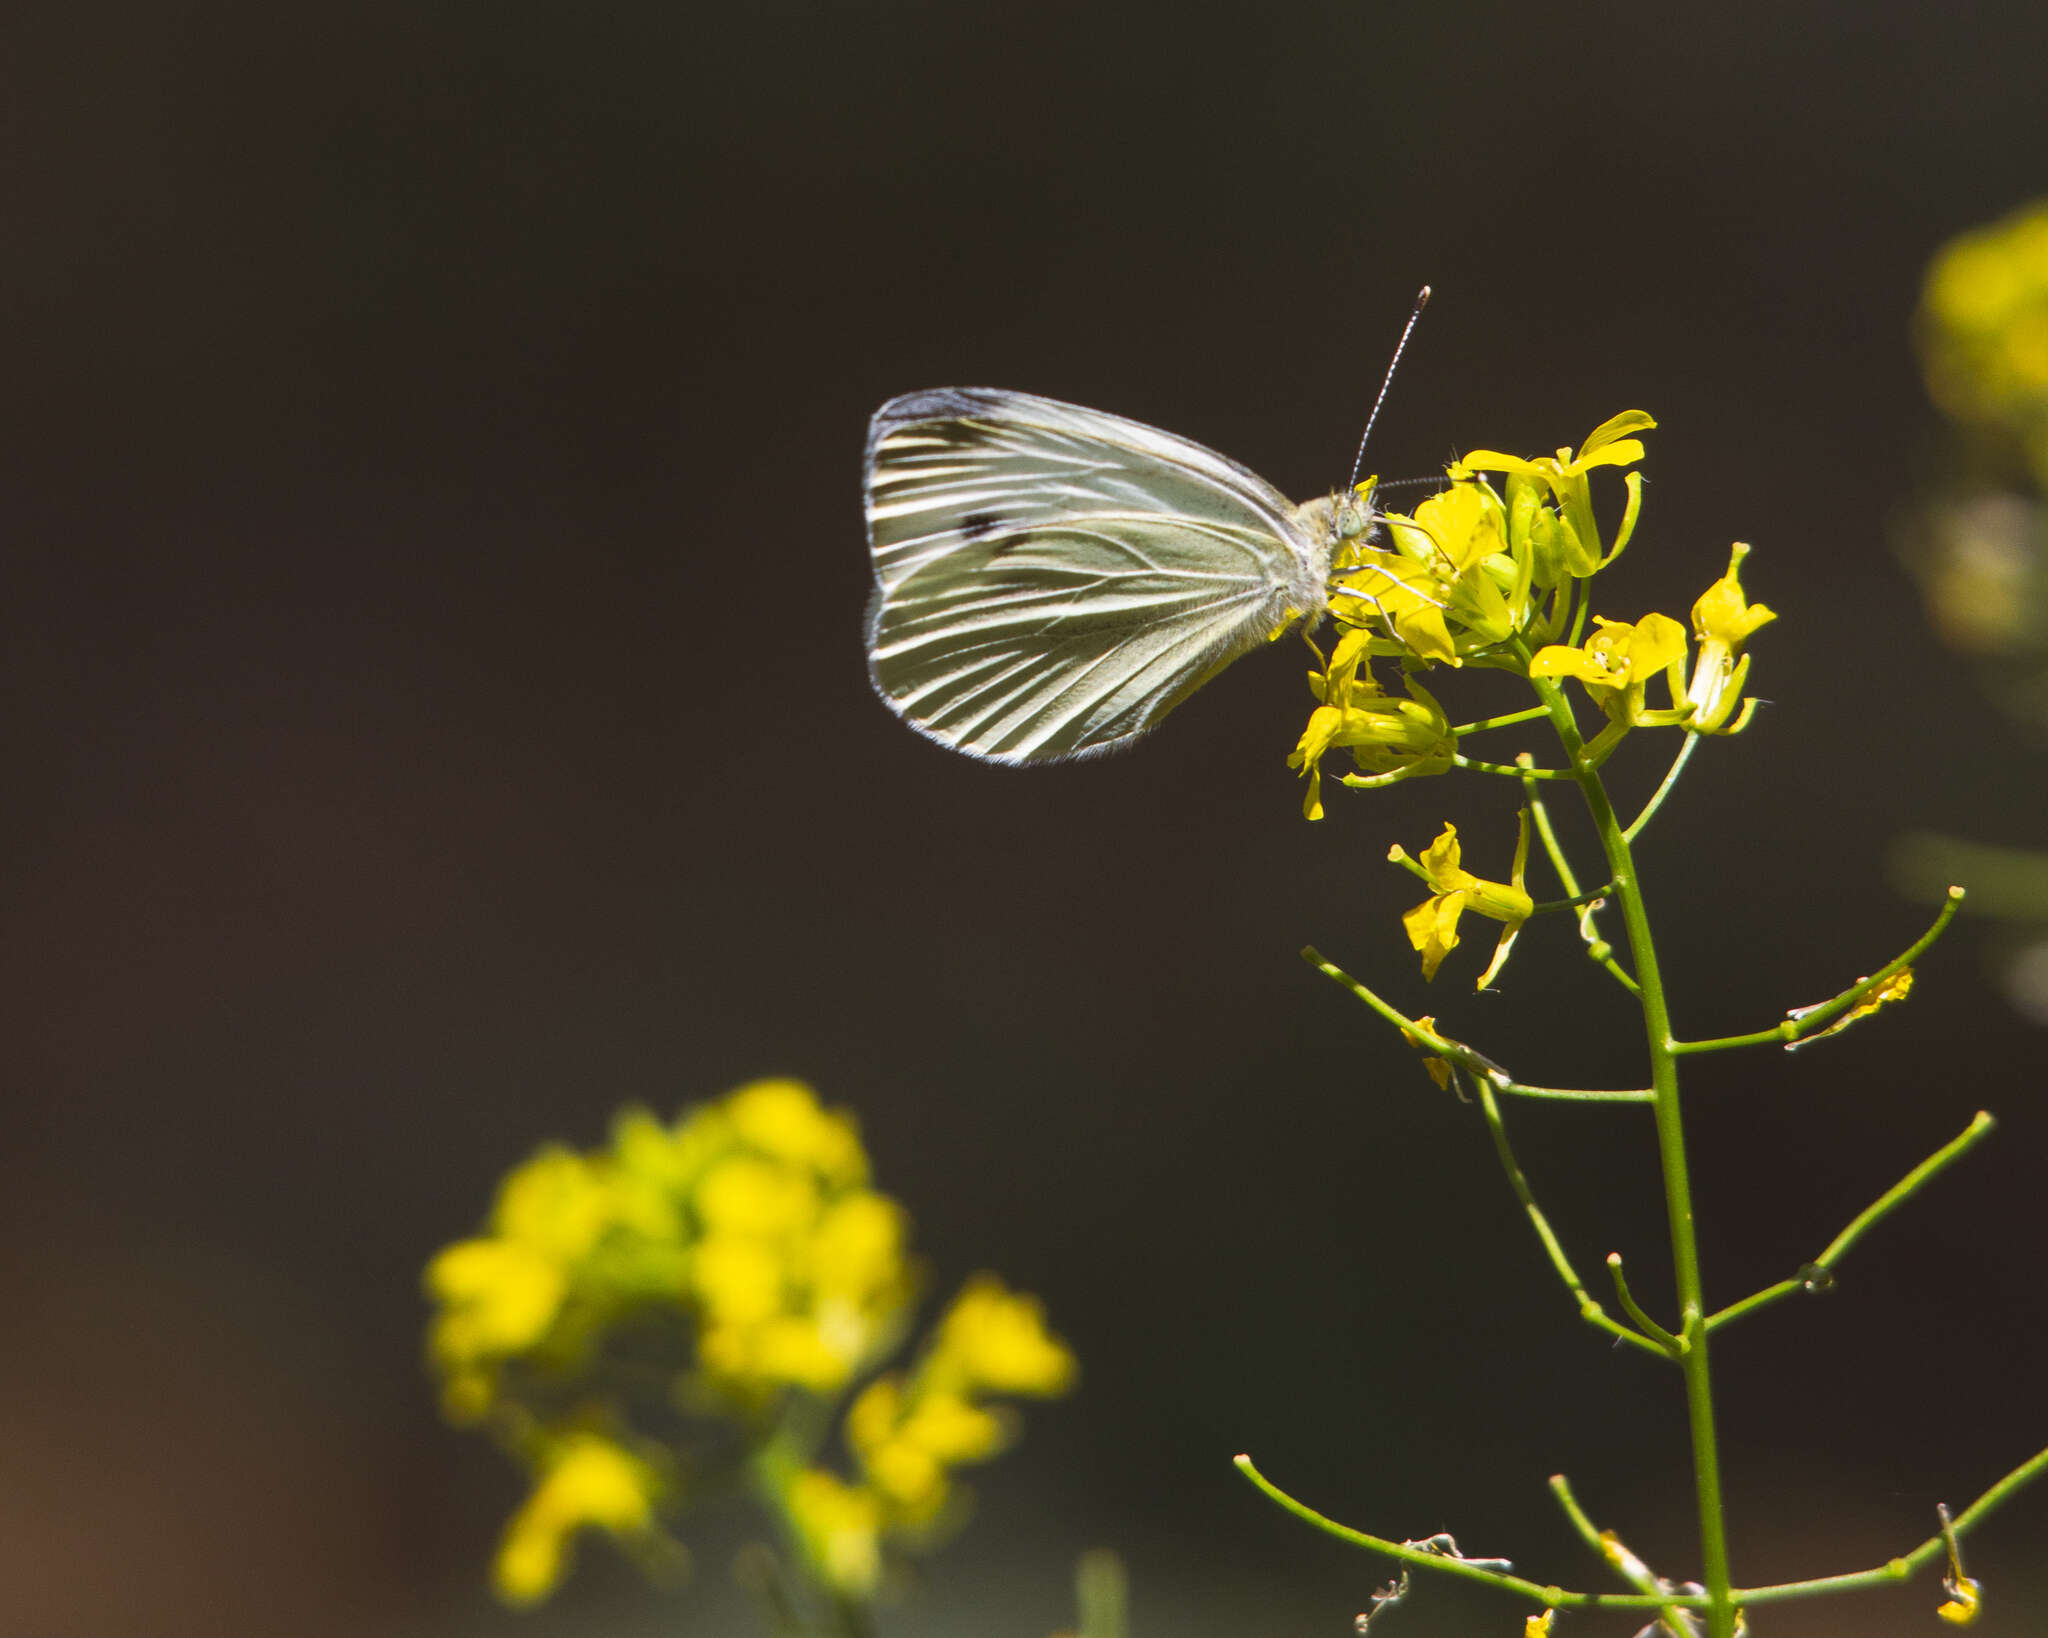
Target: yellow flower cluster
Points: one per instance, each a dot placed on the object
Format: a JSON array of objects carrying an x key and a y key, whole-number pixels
[
  {"x": 743, "y": 1244},
  {"x": 1470, "y": 575},
  {"x": 1618, "y": 662},
  {"x": 1983, "y": 328},
  {"x": 753, "y": 1215},
  {"x": 909, "y": 1429}
]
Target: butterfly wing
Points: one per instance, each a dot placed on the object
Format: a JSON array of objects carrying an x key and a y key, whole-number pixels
[{"x": 1050, "y": 581}]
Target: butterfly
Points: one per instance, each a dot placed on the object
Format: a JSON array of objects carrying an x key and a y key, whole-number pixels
[{"x": 1051, "y": 580}]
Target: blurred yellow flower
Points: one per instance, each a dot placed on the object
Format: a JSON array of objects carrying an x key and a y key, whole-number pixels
[
  {"x": 1983, "y": 329},
  {"x": 783, "y": 1119},
  {"x": 995, "y": 1339},
  {"x": 841, "y": 1527},
  {"x": 496, "y": 1296},
  {"x": 587, "y": 1482},
  {"x": 557, "y": 1203}
]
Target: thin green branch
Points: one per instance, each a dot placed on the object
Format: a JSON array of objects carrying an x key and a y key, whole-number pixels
[
  {"x": 1569, "y": 1094},
  {"x": 1619, "y": 1558},
  {"x": 1476, "y": 1064},
  {"x": 1475, "y": 766},
  {"x": 1813, "y": 1276},
  {"x": 1547, "y": 835},
  {"x": 1552, "y": 906},
  {"x": 1656, "y": 801},
  {"x": 1508, "y": 721},
  {"x": 1891, "y": 1572},
  {"x": 1589, "y": 1310},
  {"x": 1910, "y": 1564},
  {"x": 1672, "y": 1345},
  {"x": 1598, "y": 950},
  {"x": 1808, "y": 1020},
  {"x": 1462, "y": 1569}
]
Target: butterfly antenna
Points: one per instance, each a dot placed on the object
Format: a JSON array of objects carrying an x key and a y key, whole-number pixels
[{"x": 1421, "y": 301}]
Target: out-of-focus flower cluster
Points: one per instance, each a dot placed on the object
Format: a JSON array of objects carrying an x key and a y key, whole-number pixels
[
  {"x": 1983, "y": 330},
  {"x": 685, "y": 1307},
  {"x": 1978, "y": 539}
]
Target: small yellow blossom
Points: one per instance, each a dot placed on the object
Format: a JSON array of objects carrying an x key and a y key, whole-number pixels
[
  {"x": 1617, "y": 664},
  {"x": 1965, "y": 1601},
  {"x": 588, "y": 1482},
  {"x": 1895, "y": 988},
  {"x": 995, "y": 1339},
  {"x": 1432, "y": 925},
  {"x": 1567, "y": 542},
  {"x": 557, "y": 1203},
  {"x": 1436, "y": 1066},
  {"x": 1538, "y": 1626},
  {"x": 783, "y": 1119},
  {"x": 496, "y": 1296},
  {"x": 907, "y": 1437},
  {"x": 1723, "y": 621},
  {"x": 841, "y": 1527},
  {"x": 1391, "y": 739}
]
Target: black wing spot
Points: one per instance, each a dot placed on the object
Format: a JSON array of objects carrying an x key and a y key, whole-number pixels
[{"x": 976, "y": 525}]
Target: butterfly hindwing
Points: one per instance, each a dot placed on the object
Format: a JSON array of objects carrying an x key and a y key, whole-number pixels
[{"x": 1051, "y": 580}]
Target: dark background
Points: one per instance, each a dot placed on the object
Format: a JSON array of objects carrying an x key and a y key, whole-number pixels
[{"x": 436, "y": 716}]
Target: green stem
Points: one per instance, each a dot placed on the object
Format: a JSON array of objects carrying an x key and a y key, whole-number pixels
[
  {"x": 1611, "y": 1548},
  {"x": 1424, "y": 1558},
  {"x": 1895, "y": 1570},
  {"x": 1676, "y": 1347},
  {"x": 1685, "y": 1256},
  {"x": 1808, "y": 1020},
  {"x": 1476, "y": 1064},
  {"x": 1656, "y": 801},
  {"x": 1474, "y": 765},
  {"x": 1909, "y": 1564},
  {"x": 1507, "y": 721},
  {"x": 1597, "y": 948},
  {"x": 1838, "y": 1248},
  {"x": 1589, "y": 1310}
]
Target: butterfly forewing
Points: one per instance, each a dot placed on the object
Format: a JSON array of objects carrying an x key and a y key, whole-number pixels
[{"x": 1050, "y": 580}]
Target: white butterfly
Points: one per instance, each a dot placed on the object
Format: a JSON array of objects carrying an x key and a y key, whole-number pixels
[{"x": 1050, "y": 581}]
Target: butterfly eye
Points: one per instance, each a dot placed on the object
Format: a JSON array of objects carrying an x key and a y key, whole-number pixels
[{"x": 1353, "y": 518}]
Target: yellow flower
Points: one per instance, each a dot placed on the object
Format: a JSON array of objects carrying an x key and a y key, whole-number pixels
[
  {"x": 1448, "y": 567},
  {"x": 1432, "y": 925},
  {"x": 558, "y": 1203},
  {"x": 906, "y": 1441},
  {"x": 496, "y": 1296},
  {"x": 1723, "y": 620},
  {"x": 995, "y": 1339},
  {"x": 758, "y": 1198},
  {"x": 1392, "y": 739},
  {"x": 1983, "y": 327},
  {"x": 1567, "y": 542},
  {"x": 1538, "y": 1626},
  {"x": 1617, "y": 663},
  {"x": 841, "y": 1528},
  {"x": 589, "y": 1482},
  {"x": 1965, "y": 1601},
  {"x": 783, "y": 1119}
]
